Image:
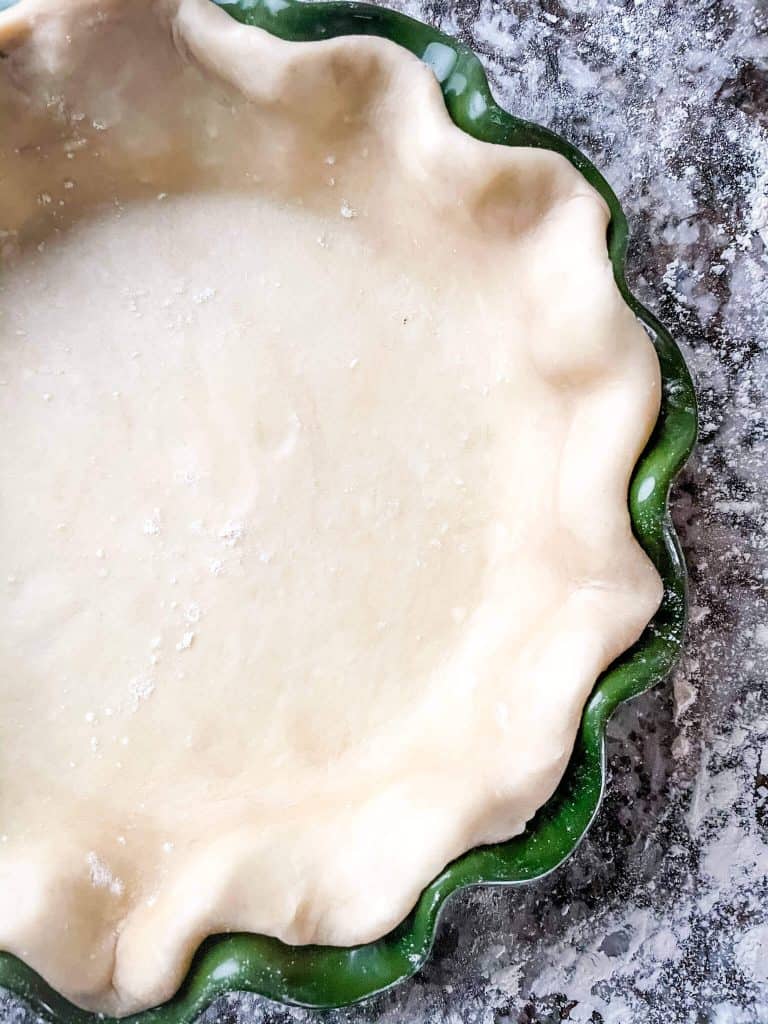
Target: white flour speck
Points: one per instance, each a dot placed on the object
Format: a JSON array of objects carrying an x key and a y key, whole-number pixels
[
  {"x": 151, "y": 525},
  {"x": 232, "y": 533},
  {"x": 101, "y": 876},
  {"x": 186, "y": 641},
  {"x": 141, "y": 688}
]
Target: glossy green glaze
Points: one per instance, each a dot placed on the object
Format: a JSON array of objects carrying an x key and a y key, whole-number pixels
[{"x": 325, "y": 976}]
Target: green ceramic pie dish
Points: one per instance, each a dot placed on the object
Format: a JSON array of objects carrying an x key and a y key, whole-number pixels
[{"x": 317, "y": 976}]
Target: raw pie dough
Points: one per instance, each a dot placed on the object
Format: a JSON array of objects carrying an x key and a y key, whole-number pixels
[{"x": 318, "y": 417}]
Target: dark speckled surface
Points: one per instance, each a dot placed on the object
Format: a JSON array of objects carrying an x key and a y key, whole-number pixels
[{"x": 662, "y": 915}]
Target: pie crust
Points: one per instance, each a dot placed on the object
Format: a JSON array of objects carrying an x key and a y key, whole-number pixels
[{"x": 319, "y": 417}]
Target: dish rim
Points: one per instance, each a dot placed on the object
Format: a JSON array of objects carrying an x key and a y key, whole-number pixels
[{"x": 325, "y": 977}]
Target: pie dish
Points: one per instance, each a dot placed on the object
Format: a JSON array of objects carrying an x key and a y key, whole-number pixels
[{"x": 323, "y": 975}]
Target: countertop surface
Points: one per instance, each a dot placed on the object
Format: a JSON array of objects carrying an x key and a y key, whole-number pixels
[{"x": 662, "y": 914}]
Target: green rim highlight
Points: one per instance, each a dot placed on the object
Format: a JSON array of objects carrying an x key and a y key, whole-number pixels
[{"x": 321, "y": 976}]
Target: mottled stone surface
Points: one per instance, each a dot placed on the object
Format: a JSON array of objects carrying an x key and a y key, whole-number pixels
[{"x": 662, "y": 914}]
